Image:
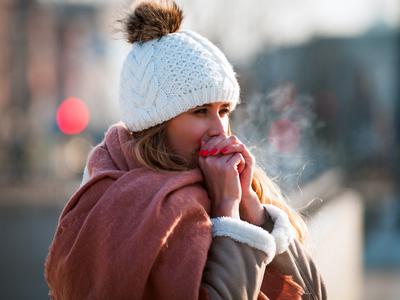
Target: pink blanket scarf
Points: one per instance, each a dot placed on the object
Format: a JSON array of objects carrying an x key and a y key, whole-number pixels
[{"x": 130, "y": 232}]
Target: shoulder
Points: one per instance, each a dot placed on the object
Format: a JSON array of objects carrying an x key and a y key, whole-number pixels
[
  {"x": 179, "y": 189},
  {"x": 194, "y": 193}
]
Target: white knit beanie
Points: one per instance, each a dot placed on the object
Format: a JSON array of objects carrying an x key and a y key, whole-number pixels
[{"x": 165, "y": 76}]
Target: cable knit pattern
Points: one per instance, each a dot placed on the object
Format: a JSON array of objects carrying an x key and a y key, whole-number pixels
[
  {"x": 165, "y": 77},
  {"x": 283, "y": 231}
]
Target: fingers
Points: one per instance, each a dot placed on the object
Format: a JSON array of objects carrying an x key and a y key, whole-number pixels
[
  {"x": 209, "y": 147},
  {"x": 221, "y": 146},
  {"x": 226, "y": 145},
  {"x": 237, "y": 161},
  {"x": 216, "y": 144},
  {"x": 241, "y": 148},
  {"x": 225, "y": 162}
]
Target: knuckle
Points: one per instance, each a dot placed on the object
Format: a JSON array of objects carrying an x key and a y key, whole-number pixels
[
  {"x": 233, "y": 138},
  {"x": 218, "y": 138},
  {"x": 239, "y": 155},
  {"x": 207, "y": 160}
]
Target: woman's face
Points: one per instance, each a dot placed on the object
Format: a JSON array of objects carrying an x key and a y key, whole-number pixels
[{"x": 185, "y": 131}]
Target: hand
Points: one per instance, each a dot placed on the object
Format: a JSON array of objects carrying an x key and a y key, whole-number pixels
[
  {"x": 221, "y": 176},
  {"x": 229, "y": 145},
  {"x": 251, "y": 209}
]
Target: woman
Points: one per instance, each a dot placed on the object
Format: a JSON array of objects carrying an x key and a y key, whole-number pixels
[{"x": 172, "y": 206}]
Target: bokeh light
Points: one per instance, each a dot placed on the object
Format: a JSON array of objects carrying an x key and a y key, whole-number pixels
[
  {"x": 284, "y": 135},
  {"x": 72, "y": 116}
]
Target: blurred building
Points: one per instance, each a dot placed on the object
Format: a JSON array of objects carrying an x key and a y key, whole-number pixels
[
  {"x": 353, "y": 83},
  {"x": 350, "y": 119},
  {"x": 50, "y": 51}
]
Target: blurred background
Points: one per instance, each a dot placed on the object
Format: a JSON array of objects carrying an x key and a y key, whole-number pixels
[{"x": 320, "y": 108}]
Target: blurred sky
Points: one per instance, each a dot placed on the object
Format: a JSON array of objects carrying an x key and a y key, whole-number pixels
[
  {"x": 259, "y": 23},
  {"x": 244, "y": 28}
]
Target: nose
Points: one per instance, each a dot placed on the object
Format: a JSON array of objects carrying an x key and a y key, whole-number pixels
[{"x": 218, "y": 126}]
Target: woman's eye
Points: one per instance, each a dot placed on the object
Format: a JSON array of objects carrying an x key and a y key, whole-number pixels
[
  {"x": 201, "y": 111},
  {"x": 225, "y": 111}
]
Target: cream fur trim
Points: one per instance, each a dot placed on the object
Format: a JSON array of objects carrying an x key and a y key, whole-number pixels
[
  {"x": 246, "y": 233},
  {"x": 283, "y": 231}
]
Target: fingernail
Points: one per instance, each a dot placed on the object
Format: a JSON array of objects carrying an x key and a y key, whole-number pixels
[
  {"x": 224, "y": 150},
  {"x": 206, "y": 152},
  {"x": 213, "y": 151},
  {"x": 203, "y": 153}
]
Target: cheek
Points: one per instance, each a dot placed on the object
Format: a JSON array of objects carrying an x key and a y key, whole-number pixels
[
  {"x": 184, "y": 137},
  {"x": 190, "y": 137}
]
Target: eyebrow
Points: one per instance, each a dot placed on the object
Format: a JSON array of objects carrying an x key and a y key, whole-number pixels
[{"x": 208, "y": 105}]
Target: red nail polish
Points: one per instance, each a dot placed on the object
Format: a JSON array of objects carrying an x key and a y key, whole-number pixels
[
  {"x": 224, "y": 150},
  {"x": 213, "y": 151},
  {"x": 206, "y": 152}
]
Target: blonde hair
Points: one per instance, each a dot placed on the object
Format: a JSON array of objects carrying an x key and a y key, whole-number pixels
[{"x": 150, "y": 149}]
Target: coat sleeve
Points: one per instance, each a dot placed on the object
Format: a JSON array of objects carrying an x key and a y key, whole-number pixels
[
  {"x": 236, "y": 260},
  {"x": 296, "y": 268},
  {"x": 308, "y": 272}
]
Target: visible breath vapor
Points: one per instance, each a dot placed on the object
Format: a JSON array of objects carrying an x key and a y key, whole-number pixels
[{"x": 279, "y": 129}]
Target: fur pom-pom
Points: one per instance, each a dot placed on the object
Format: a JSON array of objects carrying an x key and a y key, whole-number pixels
[{"x": 152, "y": 19}]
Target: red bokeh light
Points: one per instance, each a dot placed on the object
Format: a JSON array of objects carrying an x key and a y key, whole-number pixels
[
  {"x": 284, "y": 135},
  {"x": 72, "y": 116}
]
